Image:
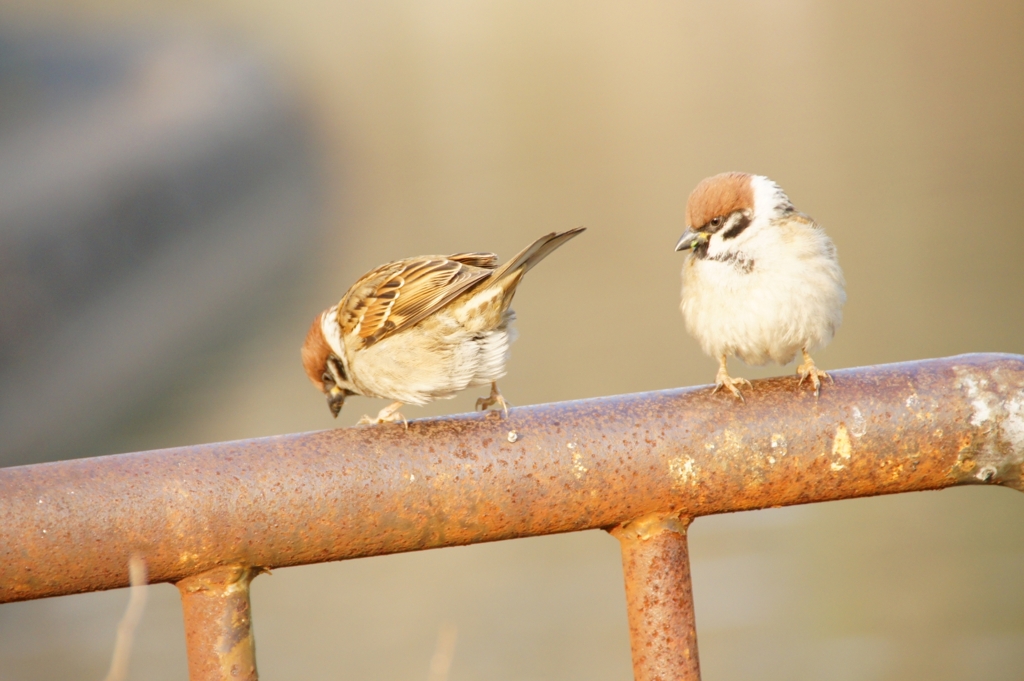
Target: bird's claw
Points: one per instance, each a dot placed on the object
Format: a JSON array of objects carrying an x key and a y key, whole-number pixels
[
  {"x": 724, "y": 379},
  {"x": 388, "y": 414},
  {"x": 815, "y": 375},
  {"x": 483, "y": 403},
  {"x": 809, "y": 370}
]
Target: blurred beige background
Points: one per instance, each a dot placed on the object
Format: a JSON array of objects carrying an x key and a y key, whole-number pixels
[{"x": 454, "y": 126}]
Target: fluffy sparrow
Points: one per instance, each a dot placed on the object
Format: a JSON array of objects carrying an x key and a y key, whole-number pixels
[
  {"x": 761, "y": 280},
  {"x": 421, "y": 329}
]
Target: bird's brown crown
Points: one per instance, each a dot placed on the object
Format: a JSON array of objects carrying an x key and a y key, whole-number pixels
[
  {"x": 719, "y": 195},
  {"x": 315, "y": 352}
]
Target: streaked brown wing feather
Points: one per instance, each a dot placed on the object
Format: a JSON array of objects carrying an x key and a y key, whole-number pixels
[
  {"x": 487, "y": 260},
  {"x": 397, "y": 295}
]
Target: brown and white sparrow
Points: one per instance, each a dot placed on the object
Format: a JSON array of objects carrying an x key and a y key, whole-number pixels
[
  {"x": 421, "y": 329},
  {"x": 761, "y": 280}
]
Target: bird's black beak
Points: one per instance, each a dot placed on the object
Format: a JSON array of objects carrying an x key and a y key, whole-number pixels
[
  {"x": 690, "y": 239},
  {"x": 335, "y": 400}
]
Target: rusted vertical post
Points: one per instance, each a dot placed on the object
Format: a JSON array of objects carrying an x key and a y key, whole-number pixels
[
  {"x": 218, "y": 624},
  {"x": 659, "y": 598}
]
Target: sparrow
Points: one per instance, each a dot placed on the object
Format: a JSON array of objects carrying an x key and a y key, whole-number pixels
[
  {"x": 421, "y": 329},
  {"x": 761, "y": 280}
]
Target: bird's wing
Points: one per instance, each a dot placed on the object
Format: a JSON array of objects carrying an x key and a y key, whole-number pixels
[
  {"x": 397, "y": 295},
  {"x": 485, "y": 260}
]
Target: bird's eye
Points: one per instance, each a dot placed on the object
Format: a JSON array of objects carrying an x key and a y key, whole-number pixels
[
  {"x": 715, "y": 222},
  {"x": 327, "y": 378}
]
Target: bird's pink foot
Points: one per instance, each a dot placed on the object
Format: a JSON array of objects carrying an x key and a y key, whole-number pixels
[
  {"x": 724, "y": 379},
  {"x": 494, "y": 398},
  {"x": 809, "y": 370},
  {"x": 388, "y": 414}
]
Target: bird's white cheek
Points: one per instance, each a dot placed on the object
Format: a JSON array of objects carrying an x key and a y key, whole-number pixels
[{"x": 332, "y": 331}]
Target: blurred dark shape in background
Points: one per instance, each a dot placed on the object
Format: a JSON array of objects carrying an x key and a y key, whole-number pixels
[{"x": 152, "y": 190}]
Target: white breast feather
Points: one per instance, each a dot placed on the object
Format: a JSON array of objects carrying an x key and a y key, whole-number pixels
[
  {"x": 791, "y": 299},
  {"x": 459, "y": 359}
]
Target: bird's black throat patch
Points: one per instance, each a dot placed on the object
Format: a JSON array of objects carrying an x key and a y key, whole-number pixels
[{"x": 701, "y": 249}]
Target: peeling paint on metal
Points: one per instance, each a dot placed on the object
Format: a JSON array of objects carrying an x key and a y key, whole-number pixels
[
  {"x": 986, "y": 473},
  {"x": 779, "y": 444},
  {"x": 995, "y": 452},
  {"x": 859, "y": 426},
  {"x": 842, "y": 450},
  {"x": 983, "y": 401},
  {"x": 578, "y": 469},
  {"x": 1013, "y": 424},
  {"x": 681, "y": 471},
  {"x": 732, "y": 444}
]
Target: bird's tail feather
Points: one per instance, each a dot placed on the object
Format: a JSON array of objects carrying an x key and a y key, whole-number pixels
[{"x": 533, "y": 254}]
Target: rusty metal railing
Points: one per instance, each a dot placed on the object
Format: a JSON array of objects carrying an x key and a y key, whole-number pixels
[{"x": 209, "y": 518}]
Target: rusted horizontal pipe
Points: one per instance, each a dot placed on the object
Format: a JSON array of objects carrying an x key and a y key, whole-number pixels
[{"x": 70, "y": 526}]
